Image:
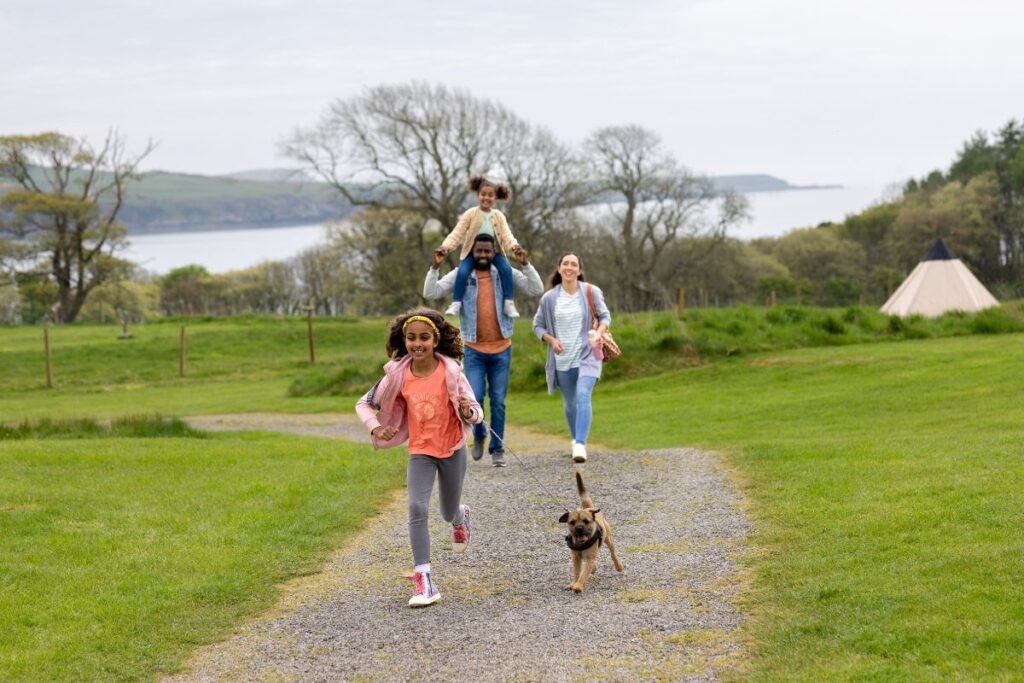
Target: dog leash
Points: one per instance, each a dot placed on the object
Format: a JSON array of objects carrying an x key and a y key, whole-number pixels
[{"x": 529, "y": 470}]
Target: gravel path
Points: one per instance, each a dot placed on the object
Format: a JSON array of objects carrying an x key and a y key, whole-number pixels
[{"x": 504, "y": 614}]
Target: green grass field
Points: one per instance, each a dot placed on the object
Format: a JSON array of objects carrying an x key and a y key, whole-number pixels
[
  {"x": 119, "y": 555},
  {"x": 886, "y": 481},
  {"x": 884, "y": 478}
]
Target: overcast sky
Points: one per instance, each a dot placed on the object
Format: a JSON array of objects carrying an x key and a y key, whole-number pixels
[{"x": 813, "y": 91}]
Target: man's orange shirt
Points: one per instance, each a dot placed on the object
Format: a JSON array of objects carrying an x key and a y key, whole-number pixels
[{"x": 488, "y": 332}]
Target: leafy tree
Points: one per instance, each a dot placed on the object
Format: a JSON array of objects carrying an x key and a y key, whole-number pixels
[
  {"x": 268, "y": 287},
  {"x": 10, "y": 301},
  {"x": 727, "y": 271},
  {"x": 975, "y": 157},
  {"x": 1002, "y": 157},
  {"x": 819, "y": 254},
  {"x": 187, "y": 290},
  {"x": 839, "y": 291},
  {"x": 785, "y": 288},
  {"x": 882, "y": 282},
  {"x": 1009, "y": 170},
  {"x": 964, "y": 215},
  {"x": 872, "y": 229},
  {"x": 122, "y": 301},
  {"x": 60, "y": 221},
  {"x": 36, "y": 293}
]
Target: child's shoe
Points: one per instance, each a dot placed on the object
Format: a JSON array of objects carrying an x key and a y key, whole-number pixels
[
  {"x": 426, "y": 591},
  {"x": 460, "y": 532},
  {"x": 510, "y": 308},
  {"x": 579, "y": 452},
  {"x": 454, "y": 309}
]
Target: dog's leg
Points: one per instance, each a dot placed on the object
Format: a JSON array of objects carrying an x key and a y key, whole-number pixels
[
  {"x": 575, "y": 571},
  {"x": 588, "y": 569},
  {"x": 611, "y": 548}
]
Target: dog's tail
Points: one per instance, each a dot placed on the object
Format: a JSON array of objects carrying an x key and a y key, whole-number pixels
[{"x": 585, "y": 500}]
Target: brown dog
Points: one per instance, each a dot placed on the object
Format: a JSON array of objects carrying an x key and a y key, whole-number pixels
[{"x": 588, "y": 530}]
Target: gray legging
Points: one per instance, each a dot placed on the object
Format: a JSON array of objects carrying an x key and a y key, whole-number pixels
[{"x": 420, "y": 477}]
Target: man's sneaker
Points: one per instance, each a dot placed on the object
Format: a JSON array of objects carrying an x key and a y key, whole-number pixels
[
  {"x": 455, "y": 308},
  {"x": 498, "y": 458},
  {"x": 460, "y": 532},
  {"x": 510, "y": 308},
  {"x": 579, "y": 452},
  {"x": 426, "y": 591},
  {"x": 478, "y": 449}
]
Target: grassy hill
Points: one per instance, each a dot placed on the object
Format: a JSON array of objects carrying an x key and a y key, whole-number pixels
[{"x": 162, "y": 201}]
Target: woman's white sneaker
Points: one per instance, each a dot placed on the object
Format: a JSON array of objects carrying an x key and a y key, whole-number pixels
[{"x": 579, "y": 452}]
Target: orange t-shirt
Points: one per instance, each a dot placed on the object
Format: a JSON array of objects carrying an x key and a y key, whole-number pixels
[
  {"x": 488, "y": 331},
  {"x": 434, "y": 428}
]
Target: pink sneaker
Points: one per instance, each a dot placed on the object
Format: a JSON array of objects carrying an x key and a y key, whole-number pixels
[
  {"x": 426, "y": 591},
  {"x": 460, "y": 532}
]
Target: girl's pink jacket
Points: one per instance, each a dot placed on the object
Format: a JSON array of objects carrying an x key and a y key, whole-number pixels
[{"x": 384, "y": 405}]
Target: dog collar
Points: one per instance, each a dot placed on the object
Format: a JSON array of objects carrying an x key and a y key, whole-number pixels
[{"x": 596, "y": 538}]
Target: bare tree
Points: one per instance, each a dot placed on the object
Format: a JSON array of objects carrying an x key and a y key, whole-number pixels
[
  {"x": 414, "y": 146},
  {"x": 650, "y": 202},
  {"x": 546, "y": 178},
  {"x": 410, "y": 146},
  {"x": 61, "y": 220}
]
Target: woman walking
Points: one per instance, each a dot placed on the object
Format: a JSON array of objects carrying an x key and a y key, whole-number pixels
[{"x": 563, "y": 321}]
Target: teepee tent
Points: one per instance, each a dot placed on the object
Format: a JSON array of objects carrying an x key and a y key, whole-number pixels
[{"x": 939, "y": 283}]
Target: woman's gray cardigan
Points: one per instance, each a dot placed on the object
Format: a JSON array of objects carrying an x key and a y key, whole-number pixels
[{"x": 544, "y": 322}]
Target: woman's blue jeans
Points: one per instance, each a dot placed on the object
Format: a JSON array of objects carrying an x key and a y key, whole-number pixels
[{"x": 576, "y": 393}]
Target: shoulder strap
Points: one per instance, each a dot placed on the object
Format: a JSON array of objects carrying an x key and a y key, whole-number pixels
[{"x": 590, "y": 302}]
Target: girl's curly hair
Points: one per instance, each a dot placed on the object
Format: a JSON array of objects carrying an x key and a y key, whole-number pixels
[
  {"x": 478, "y": 182},
  {"x": 449, "y": 339}
]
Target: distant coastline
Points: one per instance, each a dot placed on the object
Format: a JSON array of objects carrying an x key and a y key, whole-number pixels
[
  {"x": 757, "y": 182},
  {"x": 162, "y": 202},
  {"x": 223, "y": 227},
  {"x": 222, "y": 248}
]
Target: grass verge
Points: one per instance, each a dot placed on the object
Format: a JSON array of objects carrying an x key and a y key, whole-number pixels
[
  {"x": 119, "y": 555},
  {"x": 887, "y": 485}
]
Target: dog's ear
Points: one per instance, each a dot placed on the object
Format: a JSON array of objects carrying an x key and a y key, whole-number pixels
[
  {"x": 593, "y": 513},
  {"x": 564, "y": 517}
]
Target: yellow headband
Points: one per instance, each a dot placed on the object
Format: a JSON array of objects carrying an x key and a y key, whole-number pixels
[{"x": 422, "y": 319}]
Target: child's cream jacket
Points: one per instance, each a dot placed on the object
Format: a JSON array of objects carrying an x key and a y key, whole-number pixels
[{"x": 469, "y": 225}]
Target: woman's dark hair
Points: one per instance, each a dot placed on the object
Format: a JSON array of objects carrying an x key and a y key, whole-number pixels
[
  {"x": 556, "y": 277},
  {"x": 449, "y": 339},
  {"x": 478, "y": 182}
]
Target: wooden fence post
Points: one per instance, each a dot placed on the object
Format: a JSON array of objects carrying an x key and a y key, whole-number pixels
[
  {"x": 181, "y": 353},
  {"x": 680, "y": 301},
  {"x": 46, "y": 355},
  {"x": 771, "y": 299}
]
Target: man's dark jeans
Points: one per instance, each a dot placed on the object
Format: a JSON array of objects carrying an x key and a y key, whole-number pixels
[{"x": 488, "y": 375}]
